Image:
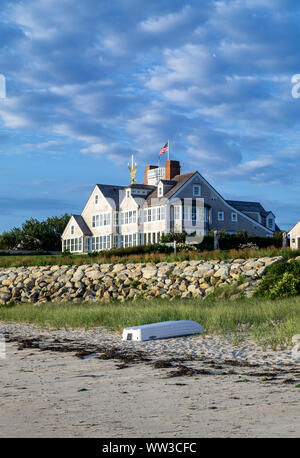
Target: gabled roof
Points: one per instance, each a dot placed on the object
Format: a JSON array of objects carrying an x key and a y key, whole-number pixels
[
  {"x": 82, "y": 225},
  {"x": 294, "y": 226},
  {"x": 179, "y": 181},
  {"x": 168, "y": 182},
  {"x": 116, "y": 193},
  {"x": 141, "y": 186},
  {"x": 252, "y": 207}
]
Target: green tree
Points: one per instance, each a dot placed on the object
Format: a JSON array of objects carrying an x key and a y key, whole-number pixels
[
  {"x": 10, "y": 240},
  {"x": 36, "y": 235}
]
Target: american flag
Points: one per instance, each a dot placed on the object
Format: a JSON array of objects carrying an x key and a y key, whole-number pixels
[{"x": 164, "y": 149}]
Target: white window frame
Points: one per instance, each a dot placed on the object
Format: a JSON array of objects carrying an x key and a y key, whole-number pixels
[
  {"x": 198, "y": 193},
  {"x": 102, "y": 219},
  {"x": 234, "y": 217},
  {"x": 73, "y": 244},
  {"x": 96, "y": 199},
  {"x": 116, "y": 219},
  {"x": 221, "y": 216},
  {"x": 72, "y": 229},
  {"x": 177, "y": 213},
  {"x": 153, "y": 214}
]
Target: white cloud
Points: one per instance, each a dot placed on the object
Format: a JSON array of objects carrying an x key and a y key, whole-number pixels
[{"x": 164, "y": 23}]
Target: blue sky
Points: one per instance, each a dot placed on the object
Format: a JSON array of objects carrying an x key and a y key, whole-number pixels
[{"x": 89, "y": 83}]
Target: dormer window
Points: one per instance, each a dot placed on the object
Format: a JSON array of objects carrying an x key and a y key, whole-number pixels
[
  {"x": 96, "y": 199},
  {"x": 127, "y": 192},
  {"x": 72, "y": 230},
  {"x": 196, "y": 190},
  {"x": 160, "y": 191}
]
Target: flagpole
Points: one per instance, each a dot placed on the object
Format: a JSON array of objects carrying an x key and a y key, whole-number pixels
[{"x": 168, "y": 149}]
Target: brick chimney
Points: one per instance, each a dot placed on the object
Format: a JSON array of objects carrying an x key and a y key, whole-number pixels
[
  {"x": 148, "y": 167},
  {"x": 172, "y": 169}
]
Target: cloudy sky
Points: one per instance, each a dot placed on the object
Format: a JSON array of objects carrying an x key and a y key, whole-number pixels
[{"x": 90, "y": 82}]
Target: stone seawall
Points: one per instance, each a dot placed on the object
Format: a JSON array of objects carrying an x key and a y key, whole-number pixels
[{"x": 120, "y": 281}]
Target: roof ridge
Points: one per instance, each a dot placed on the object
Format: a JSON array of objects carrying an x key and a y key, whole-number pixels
[{"x": 111, "y": 185}]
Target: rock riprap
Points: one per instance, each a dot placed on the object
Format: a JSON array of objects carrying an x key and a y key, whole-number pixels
[{"x": 105, "y": 282}]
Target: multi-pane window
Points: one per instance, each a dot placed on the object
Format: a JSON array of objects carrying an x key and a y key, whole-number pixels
[
  {"x": 196, "y": 190},
  {"x": 116, "y": 219},
  {"x": 128, "y": 240},
  {"x": 145, "y": 216},
  {"x": 101, "y": 243},
  {"x": 72, "y": 230},
  {"x": 194, "y": 213},
  {"x": 128, "y": 217},
  {"x": 87, "y": 244},
  {"x": 149, "y": 237},
  {"x": 270, "y": 223},
  {"x": 220, "y": 216},
  {"x": 96, "y": 199},
  {"x": 101, "y": 220},
  {"x": 234, "y": 217},
  {"x": 73, "y": 244},
  {"x": 153, "y": 214},
  {"x": 177, "y": 211}
]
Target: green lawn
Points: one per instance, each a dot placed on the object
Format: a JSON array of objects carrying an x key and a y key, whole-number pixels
[{"x": 267, "y": 322}]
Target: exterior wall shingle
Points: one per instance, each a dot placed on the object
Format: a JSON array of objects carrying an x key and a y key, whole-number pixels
[{"x": 295, "y": 237}]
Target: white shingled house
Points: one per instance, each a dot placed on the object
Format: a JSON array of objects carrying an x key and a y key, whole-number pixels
[
  {"x": 294, "y": 234},
  {"x": 167, "y": 201}
]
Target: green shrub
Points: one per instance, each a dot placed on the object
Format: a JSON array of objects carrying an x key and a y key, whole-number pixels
[
  {"x": 233, "y": 241},
  {"x": 287, "y": 286},
  {"x": 66, "y": 253},
  {"x": 172, "y": 237},
  {"x": 282, "y": 280},
  {"x": 93, "y": 254}
]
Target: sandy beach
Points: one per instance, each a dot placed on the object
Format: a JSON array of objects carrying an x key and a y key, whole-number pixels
[{"x": 177, "y": 388}]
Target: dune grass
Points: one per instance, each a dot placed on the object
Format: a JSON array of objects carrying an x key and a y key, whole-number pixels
[
  {"x": 269, "y": 323},
  {"x": 154, "y": 257}
]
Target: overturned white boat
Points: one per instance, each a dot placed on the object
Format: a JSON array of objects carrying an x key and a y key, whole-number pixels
[{"x": 162, "y": 330}]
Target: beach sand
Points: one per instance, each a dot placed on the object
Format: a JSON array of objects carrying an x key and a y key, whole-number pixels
[{"x": 57, "y": 394}]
